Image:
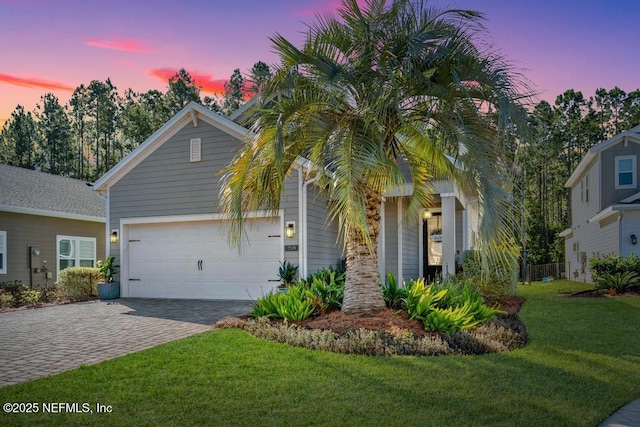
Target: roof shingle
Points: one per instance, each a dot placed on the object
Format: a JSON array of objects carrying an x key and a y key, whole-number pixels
[{"x": 53, "y": 195}]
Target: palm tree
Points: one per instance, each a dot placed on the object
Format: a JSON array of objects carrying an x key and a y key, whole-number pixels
[{"x": 375, "y": 90}]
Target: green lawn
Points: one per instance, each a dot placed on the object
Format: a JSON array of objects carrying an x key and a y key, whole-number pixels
[{"x": 582, "y": 363}]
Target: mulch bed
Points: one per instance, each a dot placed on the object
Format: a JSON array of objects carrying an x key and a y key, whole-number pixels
[{"x": 389, "y": 320}]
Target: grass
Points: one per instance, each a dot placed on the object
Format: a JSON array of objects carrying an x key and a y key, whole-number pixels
[{"x": 582, "y": 363}]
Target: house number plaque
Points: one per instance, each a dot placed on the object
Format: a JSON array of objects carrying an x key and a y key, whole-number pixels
[{"x": 290, "y": 248}]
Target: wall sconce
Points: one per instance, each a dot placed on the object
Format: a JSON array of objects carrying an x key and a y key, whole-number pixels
[
  {"x": 113, "y": 237},
  {"x": 634, "y": 239},
  {"x": 290, "y": 229},
  {"x": 426, "y": 214}
]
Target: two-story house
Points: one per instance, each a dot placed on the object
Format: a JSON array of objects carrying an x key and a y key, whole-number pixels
[{"x": 605, "y": 204}]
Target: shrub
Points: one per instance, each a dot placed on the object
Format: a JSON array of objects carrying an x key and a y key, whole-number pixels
[
  {"x": 296, "y": 304},
  {"x": 445, "y": 306},
  {"x": 421, "y": 299},
  {"x": 393, "y": 294},
  {"x": 496, "y": 274},
  {"x": 6, "y": 300},
  {"x": 612, "y": 265},
  {"x": 78, "y": 283},
  {"x": 497, "y": 335},
  {"x": 617, "y": 282},
  {"x": 287, "y": 273},
  {"x": 16, "y": 294},
  {"x": 327, "y": 286}
]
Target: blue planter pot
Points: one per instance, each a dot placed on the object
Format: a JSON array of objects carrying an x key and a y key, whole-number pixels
[{"x": 109, "y": 290}]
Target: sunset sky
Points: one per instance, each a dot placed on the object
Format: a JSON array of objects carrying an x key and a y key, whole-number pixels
[{"x": 53, "y": 46}]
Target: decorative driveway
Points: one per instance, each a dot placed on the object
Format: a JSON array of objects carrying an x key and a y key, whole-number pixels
[{"x": 49, "y": 340}]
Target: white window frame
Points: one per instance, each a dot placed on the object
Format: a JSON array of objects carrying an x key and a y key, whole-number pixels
[
  {"x": 76, "y": 256},
  {"x": 633, "y": 172},
  {"x": 586, "y": 188},
  {"x": 3, "y": 251}
]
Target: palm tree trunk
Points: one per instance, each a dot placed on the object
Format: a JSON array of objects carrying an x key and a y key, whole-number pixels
[{"x": 362, "y": 293}]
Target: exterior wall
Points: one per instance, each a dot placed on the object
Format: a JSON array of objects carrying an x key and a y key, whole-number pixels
[
  {"x": 581, "y": 210},
  {"x": 410, "y": 250},
  {"x": 588, "y": 238},
  {"x": 323, "y": 247},
  {"x": 459, "y": 232},
  {"x": 167, "y": 183},
  {"x": 391, "y": 236},
  {"x": 630, "y": 225},
  {"x": 24, "y": 231},
  {"x": 289, "y": 203},
  {"x": 608, "y": 170},
  {"x": 591, "y": 238}
]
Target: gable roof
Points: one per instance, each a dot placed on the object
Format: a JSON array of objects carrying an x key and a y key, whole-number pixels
[
  {"x": 632, "y": 135},
  {"x": 193, "y": 112},
  {"x": 38, "y": 193}
]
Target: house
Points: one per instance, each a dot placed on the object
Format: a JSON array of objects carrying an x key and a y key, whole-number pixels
[
  {"x": 47, "y": 223},
  {"x": 605, "y": 204},
  {"x": 162, "y": 202}
]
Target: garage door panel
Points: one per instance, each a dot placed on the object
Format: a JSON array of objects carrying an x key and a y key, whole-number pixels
[{"x": 163, "y": 261}]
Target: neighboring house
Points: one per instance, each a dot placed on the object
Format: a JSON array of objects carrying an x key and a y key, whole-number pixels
[
  {"x": 605, "y": 204},
  {"x": 162, "y": 201},
  {"x": 47, "y": 223}
]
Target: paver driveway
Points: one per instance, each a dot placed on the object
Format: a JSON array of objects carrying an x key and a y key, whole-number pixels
[{"x": 49, "y": 340}]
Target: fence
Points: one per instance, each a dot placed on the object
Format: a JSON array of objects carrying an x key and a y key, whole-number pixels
[{"x": 538, "y": 272}]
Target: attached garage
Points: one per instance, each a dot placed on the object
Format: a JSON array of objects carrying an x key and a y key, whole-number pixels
[{"x": 177, "y": 258}]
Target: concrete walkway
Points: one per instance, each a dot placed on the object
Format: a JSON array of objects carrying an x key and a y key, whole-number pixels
[
  {"x": 627, "y": 416},
  {"x": 49, "y": 340}
]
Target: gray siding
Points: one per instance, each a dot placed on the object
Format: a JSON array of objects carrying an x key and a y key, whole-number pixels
[
  {"x": 289, "y": 202},
  {"x": 167, "y": 183},
  {"x": 24, "y": 231},
  {"x": 323, "y": 247},
  {"x": 608, "y": 170},
  {"x": 391, "y": 236},
  {"x": 591, "y": 238},
  {"x": 410, "y": 248},
  {"x": 459, "y": 230},
  {"x": 630, "y": 225}
]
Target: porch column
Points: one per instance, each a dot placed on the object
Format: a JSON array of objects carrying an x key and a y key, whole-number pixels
[{"x": 448, "y": 234}]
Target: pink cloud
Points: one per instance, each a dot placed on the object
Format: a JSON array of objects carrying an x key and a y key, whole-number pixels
[
  {"x": 205, "y": 81},
  {"x": 126, "y": 63},
  {"x": 127, "y": 45},
  {"x": 34, "y": 83}
]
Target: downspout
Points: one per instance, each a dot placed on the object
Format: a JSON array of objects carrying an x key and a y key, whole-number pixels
[
  {"x": 620, "y": 238},
  {"x": 303, "y": 225},
  {"x": 107, "y": 219}
]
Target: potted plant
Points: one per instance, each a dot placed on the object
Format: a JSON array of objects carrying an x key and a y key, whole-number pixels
[
  {"x": 108, "y": 289},
  {"x": 287, "y": 275}
]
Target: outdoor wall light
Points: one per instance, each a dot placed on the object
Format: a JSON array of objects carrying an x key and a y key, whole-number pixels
[
  {"x": 290, "y": 229},
  {"x": 634, "y": 239},
  {"x": 426, "y": 214},
  {"x": 113, "y": 237}
]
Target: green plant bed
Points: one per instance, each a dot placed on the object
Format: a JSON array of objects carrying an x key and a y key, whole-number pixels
[{"x": 500, "y": 334}]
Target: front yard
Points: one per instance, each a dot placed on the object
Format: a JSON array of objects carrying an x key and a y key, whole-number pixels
[{"x": 582, "y": 363}]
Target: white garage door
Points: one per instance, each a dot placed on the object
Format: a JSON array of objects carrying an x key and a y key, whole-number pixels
[{"x": 193, "y": 260}]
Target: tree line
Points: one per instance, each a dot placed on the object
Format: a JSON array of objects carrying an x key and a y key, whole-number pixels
[
  {"x": 100, "y": 125},
  {"x": 557, "y": 138}
]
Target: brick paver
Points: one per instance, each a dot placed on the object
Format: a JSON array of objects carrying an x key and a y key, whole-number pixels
[{"x": 49, "y": 340}]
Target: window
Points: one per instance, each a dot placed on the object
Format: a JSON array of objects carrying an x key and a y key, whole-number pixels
[
  {"x": 76, "y": 252},
  {"x": 584, "y": 189},
  {"x": 3, "y": 252},
  {"x": 625, "y": 171}
]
